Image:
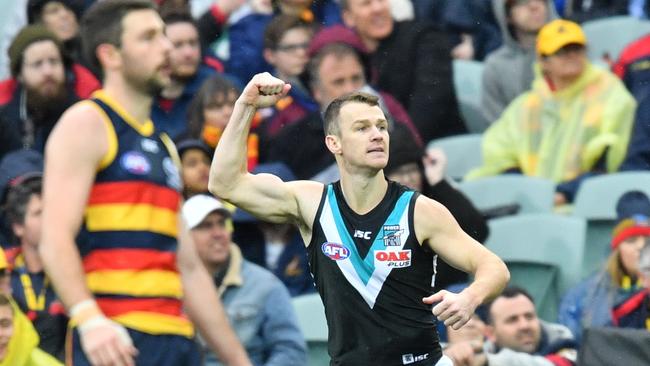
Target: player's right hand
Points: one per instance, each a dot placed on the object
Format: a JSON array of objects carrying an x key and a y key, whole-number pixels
[
  {"x": 106, "y": 343},
  {"x": 264, "y": 90}
]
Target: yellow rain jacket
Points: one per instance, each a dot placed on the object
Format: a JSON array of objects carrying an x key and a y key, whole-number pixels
[
  {"x": 23, "y": 350},
  {"x": 560, "y": 135}
]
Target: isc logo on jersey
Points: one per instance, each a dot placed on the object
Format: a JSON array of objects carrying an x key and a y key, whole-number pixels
[
  {"x": 393, "y": 258},
  {"x": 335, "y": 251}
]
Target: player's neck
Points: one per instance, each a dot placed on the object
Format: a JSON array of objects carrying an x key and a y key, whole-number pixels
[
  {"x": 133, "y": 101},
  {"x": 363, "y": 193}
]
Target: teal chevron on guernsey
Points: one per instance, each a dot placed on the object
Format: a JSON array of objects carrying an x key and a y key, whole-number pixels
[{"x": 363, "y": 273}]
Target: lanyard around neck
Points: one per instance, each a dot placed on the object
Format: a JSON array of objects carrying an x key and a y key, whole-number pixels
[{"x": 33, "y": 303}]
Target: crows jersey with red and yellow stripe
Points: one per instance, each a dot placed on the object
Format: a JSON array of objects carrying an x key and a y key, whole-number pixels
[{"x": 129, "y": 236}]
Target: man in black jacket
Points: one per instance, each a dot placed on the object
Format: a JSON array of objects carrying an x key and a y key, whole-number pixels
[
  {"x": 412, "y": 62},
  {"x": 41, "y": 89}
]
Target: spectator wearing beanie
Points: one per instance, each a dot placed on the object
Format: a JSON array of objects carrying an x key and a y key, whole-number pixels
[
  {"x": 408, "y": 165},
  {"x": 635, "y": 312},
  {"x": 591, "y": 302},
  {"x": 44, "y": 84}
]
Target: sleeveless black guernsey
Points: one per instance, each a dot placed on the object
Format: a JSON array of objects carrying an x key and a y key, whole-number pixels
[{"x": 372, "y": 274}]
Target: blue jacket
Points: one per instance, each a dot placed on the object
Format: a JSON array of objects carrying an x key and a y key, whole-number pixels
[
  {"x": 247, "y": 41},
  {"x": 292, "y": 267},
  {"x": 174, "y": 120},
  {"x": 260, "y": 311},
  {"x": 590, "y": 303},
  {"x": 638, "y": 151}
]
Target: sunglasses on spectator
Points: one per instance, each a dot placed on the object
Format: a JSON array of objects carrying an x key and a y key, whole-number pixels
[{"x": 292, "y": 47}]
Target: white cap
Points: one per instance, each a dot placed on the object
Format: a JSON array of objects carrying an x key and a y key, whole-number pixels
[{"x": 197, "y": 208}]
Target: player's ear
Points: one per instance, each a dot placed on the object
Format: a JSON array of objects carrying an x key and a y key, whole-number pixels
[{"x": 333, "y": 144}]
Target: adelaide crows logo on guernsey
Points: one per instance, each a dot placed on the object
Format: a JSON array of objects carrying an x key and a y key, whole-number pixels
[{"x": 335, "y": 251}]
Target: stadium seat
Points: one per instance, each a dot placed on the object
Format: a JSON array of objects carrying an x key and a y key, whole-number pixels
[
  {"x": 463, "y": 153},
  {"x": 541, "y": 238},
  {"x": 540, "y": 280},
  {"x": 608, "y": 36},
  {"x": 596, "y": 202},
  {"x": 529, "y": 193},
  {"x": 311, "y": 319},
  {"x": 597, "y": 196},
  {"x": 467, "y": 83}
]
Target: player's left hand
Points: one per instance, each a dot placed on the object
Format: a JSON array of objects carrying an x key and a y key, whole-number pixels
[{"x": 453, "y": 309}]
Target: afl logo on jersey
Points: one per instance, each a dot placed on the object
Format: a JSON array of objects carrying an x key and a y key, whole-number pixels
[
  {"x": 335, "y": 251},
  {"x": 135, "y": 162}
]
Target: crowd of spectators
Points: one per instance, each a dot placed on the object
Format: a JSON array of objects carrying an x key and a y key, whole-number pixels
[{"x": 552, "y": 113}]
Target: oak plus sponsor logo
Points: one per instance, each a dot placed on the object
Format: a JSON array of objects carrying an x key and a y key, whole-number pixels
[
  {"x": 393, "y": 258},
  {"x": 335, "y": 251}
]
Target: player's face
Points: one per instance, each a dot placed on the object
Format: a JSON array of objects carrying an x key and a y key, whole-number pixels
[
  {"x": 364, "y": 135},
  {"x": 212, "y": 239},
  {"x": 515, "y": 324},
  {"x": 145, "y": 51}
]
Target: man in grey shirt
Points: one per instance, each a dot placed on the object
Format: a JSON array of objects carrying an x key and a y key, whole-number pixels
[{"x": 509, "y": 71}]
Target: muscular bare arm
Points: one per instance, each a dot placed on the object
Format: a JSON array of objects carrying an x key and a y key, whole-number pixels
[
  {"x": 203, "y": 306},
  {"x": 263, "y": 195},
  {"x": 435, "y": 225},
  {"x": 73, "y": 153}
]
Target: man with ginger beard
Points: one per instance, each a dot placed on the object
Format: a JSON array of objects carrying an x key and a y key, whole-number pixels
[
  {"x": 169, "y": 110},
  {"x": 43, "y": 90}
]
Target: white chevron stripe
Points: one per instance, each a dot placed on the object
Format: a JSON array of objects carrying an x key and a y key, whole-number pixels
[{"x": 370, "y": 291}]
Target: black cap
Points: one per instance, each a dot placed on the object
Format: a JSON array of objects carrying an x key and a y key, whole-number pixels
[
  {"x": 186, "y": 144},
  {"x": 17, "y": 167}
]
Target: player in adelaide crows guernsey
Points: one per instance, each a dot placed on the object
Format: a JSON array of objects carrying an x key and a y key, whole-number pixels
[
  {"x": 110, "y": 172},
  {"x": 372, "y": 243}
]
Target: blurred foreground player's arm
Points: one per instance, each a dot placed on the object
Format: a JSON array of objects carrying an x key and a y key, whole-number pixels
[
  {"x": 73, "y": 154},
  {"x": 436, "y": 226}
]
